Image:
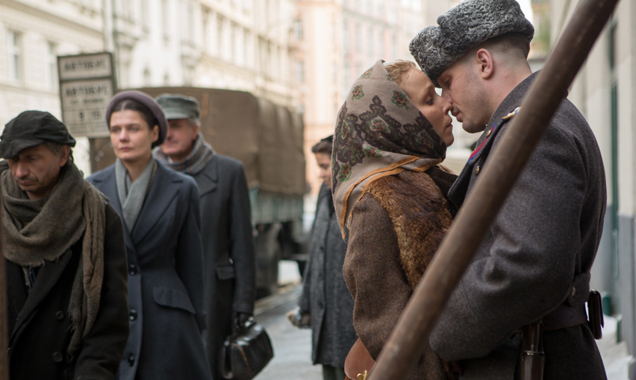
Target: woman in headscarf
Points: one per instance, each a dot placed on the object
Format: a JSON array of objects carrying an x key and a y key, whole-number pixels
[
  {"x": 390, "y": 196},
  {"x": 160, "y": 211}
]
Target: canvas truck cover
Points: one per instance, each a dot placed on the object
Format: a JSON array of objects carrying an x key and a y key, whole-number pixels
[{"x": 266, "y": 137}]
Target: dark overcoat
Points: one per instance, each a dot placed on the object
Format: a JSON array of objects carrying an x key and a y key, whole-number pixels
[
  {"x": 228, "y": 248},
  {"x": 536, "y": 256},
  {"x": 165, "y": 280},
  {"x": 325, "y": 295},
  {"x": 39, "y": 323}
]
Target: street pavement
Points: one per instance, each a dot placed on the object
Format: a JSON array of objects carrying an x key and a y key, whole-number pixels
[{"x": 292, "y": 346}]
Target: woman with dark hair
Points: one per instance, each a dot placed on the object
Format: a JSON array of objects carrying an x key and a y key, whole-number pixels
[
  {"x": 160, "y": 213},
  {"x": 390, "y": 197}
]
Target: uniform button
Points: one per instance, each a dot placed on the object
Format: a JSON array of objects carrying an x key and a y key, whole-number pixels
[
  {"x": 58, "y": 357},
  {"x": 477, "y": 170},
  {"x": 131, "y": 360},
  {"x": 132, "y": 269},
  {"x": 132, "y": 315},
  {"x": 59, "y": 315}
]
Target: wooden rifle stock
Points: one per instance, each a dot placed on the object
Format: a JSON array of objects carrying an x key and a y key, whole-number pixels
[{"x": 508, "y": 159}]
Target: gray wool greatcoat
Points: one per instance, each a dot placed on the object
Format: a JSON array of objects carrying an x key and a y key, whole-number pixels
[
  {"x": 537, "y": 255},
  {"x": 165, "y": 280},
  {"x": 39, "y": 323},
  {"x": 325, "y": 295},
  {"x": 228, "y": 248}
]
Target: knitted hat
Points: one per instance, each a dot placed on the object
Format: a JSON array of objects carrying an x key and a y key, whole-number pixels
[
  {"x": 147, "y": 101},
  {"x": 462, "y": 28}
]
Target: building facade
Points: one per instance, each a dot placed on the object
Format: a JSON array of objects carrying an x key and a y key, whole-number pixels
[{"x": 604, "y": 92}]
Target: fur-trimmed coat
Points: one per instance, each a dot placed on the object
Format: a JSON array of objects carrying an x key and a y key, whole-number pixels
[{"x": 396, "y": 227}]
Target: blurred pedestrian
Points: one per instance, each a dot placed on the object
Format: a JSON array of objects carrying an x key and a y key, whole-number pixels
[
  {"x": 532, "y": 270},
  {"x": 228, "y": 242},
  {"x": 390, "y": 195},
  {"x": 160, "y": 211},
  {"x": 326, "y": 304},
  {"x": 65, "y": 258}
]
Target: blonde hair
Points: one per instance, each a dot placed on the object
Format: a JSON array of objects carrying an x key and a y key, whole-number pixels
[{"x": 397, "y": 69}]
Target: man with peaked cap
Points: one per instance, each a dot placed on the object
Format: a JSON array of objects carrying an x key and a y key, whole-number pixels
[
  {"x": 65, "y": 258},
  {"x": 228, "y": 245},
  {"x": 530, "y": 276}
]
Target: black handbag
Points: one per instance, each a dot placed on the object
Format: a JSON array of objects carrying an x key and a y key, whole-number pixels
[{"x": 246, "y": 352}]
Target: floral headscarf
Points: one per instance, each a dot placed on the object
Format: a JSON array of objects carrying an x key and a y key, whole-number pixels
[{"x": 379, "y": 132}]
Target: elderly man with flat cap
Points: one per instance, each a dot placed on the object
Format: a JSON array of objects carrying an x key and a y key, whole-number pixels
[
  {"x": 521, "y": 305},
  {"x": 229, "y": 283},
  {"x": 65, "y": 258}
]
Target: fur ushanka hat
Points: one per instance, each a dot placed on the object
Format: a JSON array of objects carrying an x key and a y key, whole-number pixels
[{"x": 462, "y": 28}]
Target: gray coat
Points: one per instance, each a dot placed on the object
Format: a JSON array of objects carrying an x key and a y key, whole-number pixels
[
  {"x": 536, "y": 257},
  {"x": 325, "y": 295},
  {"x": 165, "y": 280},
  {"x": 228, "y": 249}
]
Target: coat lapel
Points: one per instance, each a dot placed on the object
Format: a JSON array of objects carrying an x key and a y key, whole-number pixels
[
  {"x": 47, "y": 277},
  {"x": 108, "y": 186},
  {"x": 207, "y": 180},
  {"x": 162, "y": 191}
]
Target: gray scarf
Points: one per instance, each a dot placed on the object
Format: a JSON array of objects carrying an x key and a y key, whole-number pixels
[
  {"x": 133, "y": 194},
  {"x": 201, "y": 153},
  {"x": 34, "y": 235}
]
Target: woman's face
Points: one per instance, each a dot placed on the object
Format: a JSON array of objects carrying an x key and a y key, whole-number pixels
[
  {"x": 422, "y": 93},
  {"x": 131, "y": 136}
]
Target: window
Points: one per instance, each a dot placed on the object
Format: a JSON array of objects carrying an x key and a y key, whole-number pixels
[
  {"x": 300, "y": 71},
  {"x": 165, "y": 15},
  {"x": 51, "y": 65},
  {"x": 14, "y": 51}
]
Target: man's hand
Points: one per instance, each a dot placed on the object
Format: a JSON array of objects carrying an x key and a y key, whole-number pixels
[
  {"x": 299, "y": 318},
  {"x": 239, "y": 320}
]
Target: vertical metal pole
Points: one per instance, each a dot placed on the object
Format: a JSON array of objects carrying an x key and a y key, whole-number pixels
[{"x": 4, "y": 325}]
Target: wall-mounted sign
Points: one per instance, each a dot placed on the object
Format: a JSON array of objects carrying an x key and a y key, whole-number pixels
[{"x": 87, "y": 83}]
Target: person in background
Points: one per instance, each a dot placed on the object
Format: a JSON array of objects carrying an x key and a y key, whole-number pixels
[
  {"x": 228, "y": 242},
  {"x": 390, "y": 197},
  {"x": 65, "y": 259},
  {"x": 325, "y": 304},
  {"x": 162, "y": 226},
  {"x": 532, "y": 270}
]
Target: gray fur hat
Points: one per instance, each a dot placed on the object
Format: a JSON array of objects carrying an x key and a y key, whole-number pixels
[{"x": 462, "y": 28}]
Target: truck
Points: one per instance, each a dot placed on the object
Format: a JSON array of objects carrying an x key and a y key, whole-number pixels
[{"x": 268, "y": 139}]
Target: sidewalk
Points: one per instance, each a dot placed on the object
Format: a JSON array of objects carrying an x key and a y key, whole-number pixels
[{"x": 615, "y": 355}]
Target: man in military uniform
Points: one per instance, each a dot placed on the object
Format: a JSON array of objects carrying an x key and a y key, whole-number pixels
[
  {"x": 228, "y": 243},
  {"x": 534, "y": 263}
]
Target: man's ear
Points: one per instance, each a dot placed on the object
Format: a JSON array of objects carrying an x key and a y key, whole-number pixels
[
  {"x": 65, "y": 151},
  {"x": 486, "y": 63}
]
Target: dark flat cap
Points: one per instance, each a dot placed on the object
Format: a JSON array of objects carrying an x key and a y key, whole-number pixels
[
  {"x": 464, "y": 27},
  {"x": 147, "y": 101},
  {"x": 178, "y": 106},
  {"x": 32, "y": 128}
]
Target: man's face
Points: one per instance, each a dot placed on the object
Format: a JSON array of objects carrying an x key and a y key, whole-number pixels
[
  {"x": 324, "y": 163},
  {"x": 462, "y": 87},
  {"x": 37, "y": 169},
  {"x": 131, "y": 136},
  {"x": 180, "y": 139}
]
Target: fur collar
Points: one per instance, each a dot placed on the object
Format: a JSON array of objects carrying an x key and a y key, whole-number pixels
[{"x": 420, "y": 217}]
